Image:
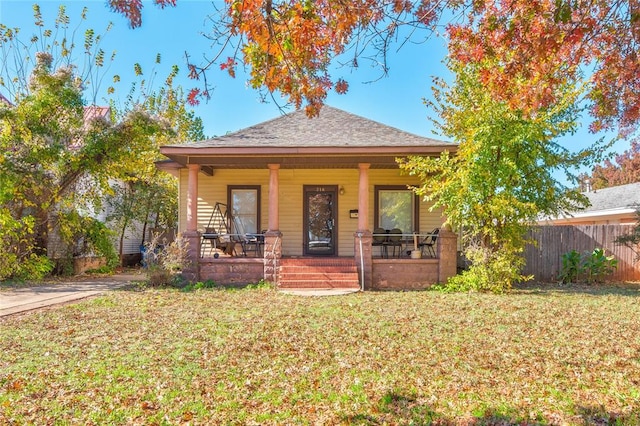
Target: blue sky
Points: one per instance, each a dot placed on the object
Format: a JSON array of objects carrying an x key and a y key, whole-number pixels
[{"x": 395, "y": 100}]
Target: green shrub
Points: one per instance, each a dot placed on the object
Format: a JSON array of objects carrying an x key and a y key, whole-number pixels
[
  {"x": 590, "y": 267},
  {"x": 571, "y": 267},
  {"x": 489, "y": 271},
  {"x": 86, "y": 236},
  {"x": 34, "y": 268},
  {"x": 99, "y": 240},
  {"x": 200, "y": 285},
  {"x": 8, "y": 265},
  {"x": 261, "y": 285},
  {"x": 64, "y": 266},
  {"x": 89, "y": 237},
  {"x": 597, "y": 265},
  {"x": 16, "y": 244}
]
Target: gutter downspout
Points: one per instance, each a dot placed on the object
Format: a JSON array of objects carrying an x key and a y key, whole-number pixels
[{"x": 359, "y": 234}]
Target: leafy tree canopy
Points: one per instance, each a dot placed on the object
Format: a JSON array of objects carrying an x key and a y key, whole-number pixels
[
  {"x": 518, "y": 47},
  {"x": 146, "y": 194},
  {"x": 54, "y": 157},
  {"x": 502, "y": 176},
  {"x": 58, "y": 156},
  {"x": 86, "y": 58}
]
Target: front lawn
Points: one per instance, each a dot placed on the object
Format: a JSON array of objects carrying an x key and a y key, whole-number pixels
[{"x": 557, "y": 356}]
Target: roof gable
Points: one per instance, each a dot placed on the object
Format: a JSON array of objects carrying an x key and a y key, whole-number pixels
[
  {"x": 335, "y": 139},
  {"x": 333, "y": 128},
  {"x": 93, "y": 112}
]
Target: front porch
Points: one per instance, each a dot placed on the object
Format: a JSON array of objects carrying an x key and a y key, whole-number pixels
[{"x": 368, "y": 269}]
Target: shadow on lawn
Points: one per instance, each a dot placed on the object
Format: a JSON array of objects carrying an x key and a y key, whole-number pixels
[
  {"x": 394, "y": 408},
  {"x": 620, "y": 289}
]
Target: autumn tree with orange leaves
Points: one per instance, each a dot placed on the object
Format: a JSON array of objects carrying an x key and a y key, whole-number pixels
[
  {"x": 519, "y": 46},
  {"x": 624, "y": 169}
]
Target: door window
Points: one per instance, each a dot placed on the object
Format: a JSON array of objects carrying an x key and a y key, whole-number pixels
[{"x": 319, "y": 220}]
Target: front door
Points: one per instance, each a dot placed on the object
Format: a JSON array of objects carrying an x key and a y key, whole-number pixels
[{"x": 320, "y": 227}]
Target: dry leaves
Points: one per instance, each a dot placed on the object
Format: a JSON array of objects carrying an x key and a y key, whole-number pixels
[{"x": 260, "y": 357}]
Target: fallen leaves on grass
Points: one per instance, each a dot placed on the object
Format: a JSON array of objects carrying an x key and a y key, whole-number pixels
[{"x": 261, "y": 357}]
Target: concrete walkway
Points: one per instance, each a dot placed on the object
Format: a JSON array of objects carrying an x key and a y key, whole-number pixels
[
  {"x": 25, "y": 299},
  {"x": 320, "y": 291},
  {"x": 29, "y": 298}
]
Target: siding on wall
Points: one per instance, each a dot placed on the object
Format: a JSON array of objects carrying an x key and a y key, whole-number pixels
[
  {"x": 131, "y": 244},
  {"x": 212, "y": 189},
  {"x": 132, "y": 238}
]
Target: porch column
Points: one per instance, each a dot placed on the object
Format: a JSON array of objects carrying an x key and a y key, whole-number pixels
[
  {"x": 363, "y": 197},
  {"x": 273, "y": 237},
  {"x": 191, "y": 234},
  {"x": 192, "y": 197},
  {"x": 363, "y": 238},
  {"x": 274, "y": 190}
]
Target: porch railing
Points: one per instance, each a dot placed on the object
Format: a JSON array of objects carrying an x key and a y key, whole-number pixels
[
  {"x": 227, "y": 244},
  {"x": 389, "y": 245},
  {"x": 401, "y": 245}
]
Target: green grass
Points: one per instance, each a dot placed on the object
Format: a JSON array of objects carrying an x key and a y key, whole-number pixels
[{"x": 255, "y": 356}]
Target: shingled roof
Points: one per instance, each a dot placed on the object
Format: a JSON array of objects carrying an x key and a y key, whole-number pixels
[
  {"x": 616, "y": 203},
  {"x": 334, "y": 127},
  {"x": 334, "y": 139},
  {"x": 615, "y": 197}
]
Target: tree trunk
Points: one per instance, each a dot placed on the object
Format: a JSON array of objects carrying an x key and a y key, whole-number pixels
[
  {"x": 41, "y": 234},
  {"x": 121, "y": 248}
]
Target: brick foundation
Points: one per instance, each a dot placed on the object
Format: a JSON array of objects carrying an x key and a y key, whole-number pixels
[
  {"x": 417, "y": 274},
  {"x": 404, "y": 274},
  {"x": 232, "y": 271},
  {"x": 379, "y": 274},
  {"x": 272, "y": 255}
]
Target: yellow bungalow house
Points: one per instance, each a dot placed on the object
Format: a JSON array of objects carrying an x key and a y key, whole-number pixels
[{"x": 310, "y": 203}]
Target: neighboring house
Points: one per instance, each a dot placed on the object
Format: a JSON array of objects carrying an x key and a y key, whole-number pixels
[
  {"x": 134, "y": 232},
  {"x": 302, "y": 197},
  {"x": 608, "y": 206},
  {"x": 56, "y": 248}
]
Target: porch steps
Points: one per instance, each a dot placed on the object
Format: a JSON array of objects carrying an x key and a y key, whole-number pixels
[{"x": 318, "y": 273}]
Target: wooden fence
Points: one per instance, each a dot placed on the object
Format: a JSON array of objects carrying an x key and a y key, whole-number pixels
[{"x": 544, "y": 260}]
